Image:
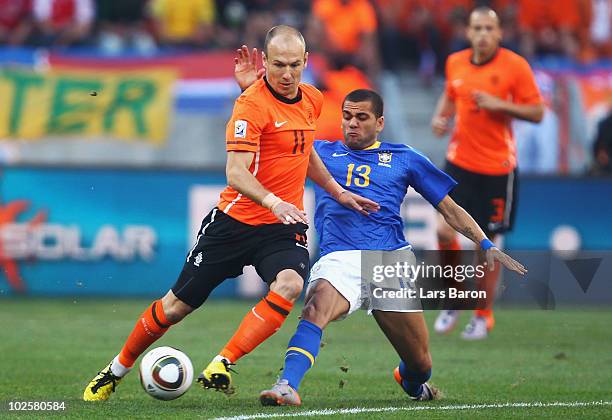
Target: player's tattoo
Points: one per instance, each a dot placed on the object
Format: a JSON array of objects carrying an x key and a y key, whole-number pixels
[{"x": 469, "y": 233}]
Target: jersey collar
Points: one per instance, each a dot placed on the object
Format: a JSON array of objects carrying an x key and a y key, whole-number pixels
[
  {"x": 281, "y": 98},
  {"x": 484, "y": 63},
  {"x": 376, "y": 145}
]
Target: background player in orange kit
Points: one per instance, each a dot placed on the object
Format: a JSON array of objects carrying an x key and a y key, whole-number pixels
[
  {"x": 259, "y": 220},
  {"x": 486, "y": 86}
]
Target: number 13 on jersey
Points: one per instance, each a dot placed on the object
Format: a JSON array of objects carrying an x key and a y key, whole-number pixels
[{"x": 361, "y": 178}]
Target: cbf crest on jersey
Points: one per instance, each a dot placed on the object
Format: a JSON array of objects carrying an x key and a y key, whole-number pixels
[
  {"x": 384, "y": 159},
  {"x": 240, "y": 129}
]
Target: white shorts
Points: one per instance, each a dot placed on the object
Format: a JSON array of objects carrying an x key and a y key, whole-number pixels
[{"x": 342, "y": 269}]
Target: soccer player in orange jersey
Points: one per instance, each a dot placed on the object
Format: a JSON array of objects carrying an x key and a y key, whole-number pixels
[
  {"x": 259, "y": 220},
  {"x": 486, "y": 86}
]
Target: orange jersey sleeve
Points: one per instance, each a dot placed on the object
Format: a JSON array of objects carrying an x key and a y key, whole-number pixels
[
  {"x": 280, "y": 133},
  {"x": 448, "y": 86},
  {"x": 482, "y": 140},
  {"x": 525, "y": 90},
  {"x": 243, "y": 131}
]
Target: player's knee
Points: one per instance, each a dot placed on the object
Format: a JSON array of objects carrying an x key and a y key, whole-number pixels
[
  {"x": 288, "y": 284},
  {"x": 313, "y": 314},
  {"x": 174, "y": 308},
  {"x": 322, "y": 307}
]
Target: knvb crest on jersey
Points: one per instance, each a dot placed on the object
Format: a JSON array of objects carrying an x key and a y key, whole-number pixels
[{"x": 384, "y": 159}]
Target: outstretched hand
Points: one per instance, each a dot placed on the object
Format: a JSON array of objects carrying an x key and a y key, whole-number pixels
[
  {"x": 246, "y": 71},
  {"x": 493, "y": 254},
  {"x": 356, "y": 202},
  {"x": 440, "y": 125}
]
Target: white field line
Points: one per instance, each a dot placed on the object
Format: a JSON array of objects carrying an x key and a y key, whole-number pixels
[{"x": 358, "y": 410}]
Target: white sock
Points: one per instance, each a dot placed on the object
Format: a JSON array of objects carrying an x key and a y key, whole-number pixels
[
  {"x": 118, "y": 369},
  {"x": 219, "y": 358}
]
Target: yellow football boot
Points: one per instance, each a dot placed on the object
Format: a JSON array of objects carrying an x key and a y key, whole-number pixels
[
  {"x": 101, "y": 387},
  {"x": 217, "y": 376}
]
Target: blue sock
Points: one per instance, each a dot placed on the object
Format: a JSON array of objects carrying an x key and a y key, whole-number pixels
[
  {"x": 302, "y": 351},
  {"x": 412, "y": 381}
]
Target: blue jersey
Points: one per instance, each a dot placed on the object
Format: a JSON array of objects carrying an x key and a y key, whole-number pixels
[{"x": 382, "y": 174}]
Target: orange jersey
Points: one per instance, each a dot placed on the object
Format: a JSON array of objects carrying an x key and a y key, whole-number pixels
[
  {"x": 346, "y": 22},
  {"x": 482, "y": 141},
  {"x": 280, "y": 132}
]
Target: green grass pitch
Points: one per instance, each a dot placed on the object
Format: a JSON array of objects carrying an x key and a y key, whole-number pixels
[{"x": 51, "y": 349}]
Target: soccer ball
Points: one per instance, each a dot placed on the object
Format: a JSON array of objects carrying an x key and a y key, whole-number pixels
[{"x": 166, "y": 373}]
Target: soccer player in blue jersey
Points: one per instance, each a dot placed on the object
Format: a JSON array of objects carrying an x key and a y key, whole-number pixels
[{"x": 381, "y": 172}]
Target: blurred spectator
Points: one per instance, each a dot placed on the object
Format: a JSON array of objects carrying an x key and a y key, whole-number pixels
[
  {"x": 409, "y": 32},
  {"x": 422, "y": 31},
  {"x": 293, "y": 12},
  {"x": 553, "y": 27},
  {"x": 601, "y": 28},
  {"x": 507, "y": 10},
  {"x": 346, "y": 31},
  {"x": 538, "y": 143},
  {"x": 231, "y": 16},
  {"x": 63, "y": 22},
  {"x": 451, "y": 17},
  {"x": 260, "y": 18},
  {"x": 391, "y": 14},
  {"x": 15, "y": 21},
  {"x": 336, "y": 82},
  {"x": 264, "y": 14},
  {"x": 122, "y": 24},
  {"x": 602, "y": 148},
  {"x": 188, "y": 23}
]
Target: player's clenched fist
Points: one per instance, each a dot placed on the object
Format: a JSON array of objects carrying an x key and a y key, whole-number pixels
[
  {"x": 439, "y": 125},
  {"x": 487, "y": 101}
]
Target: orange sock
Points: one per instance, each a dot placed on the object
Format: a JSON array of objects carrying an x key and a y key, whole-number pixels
[
  {"x": 484, "y": 313},
  {"x": 151, "y": 325},
  {"x": 452, "y": 245},
  {"x": 450, "y": 256},
  {"x": 489, "y": 284},
  {"x": 488, "y": 315},
  {"x": 260, "y": 323}
]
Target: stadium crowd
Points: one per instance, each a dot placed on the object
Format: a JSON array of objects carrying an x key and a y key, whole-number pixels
[
  {"x": 365, "y": 42},
  {"x": 422, "y": 31}
]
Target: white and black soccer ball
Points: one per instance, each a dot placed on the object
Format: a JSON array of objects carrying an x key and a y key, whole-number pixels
[{"x": 166, "y": 373}]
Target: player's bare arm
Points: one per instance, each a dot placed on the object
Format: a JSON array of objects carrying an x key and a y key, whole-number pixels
[
  {"x": 242, "y": 180},
  {"x": 527, "y": 112},
  {"x": 246, "y": 69},
  {"x": 321, "y": 176},
  {"x": 462, "y": 222},
  {"x": 445, "y": 109}
]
